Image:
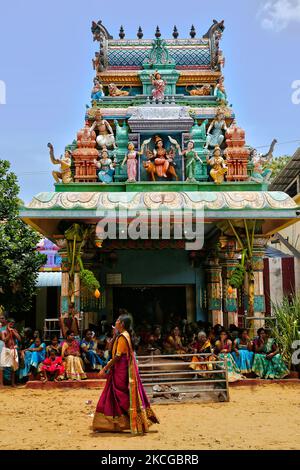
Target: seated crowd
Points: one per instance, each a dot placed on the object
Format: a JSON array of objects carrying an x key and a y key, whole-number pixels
[{"x": 27, "y": 354}]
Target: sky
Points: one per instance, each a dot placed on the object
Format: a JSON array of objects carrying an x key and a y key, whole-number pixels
[{"x": 46, "y": 51}]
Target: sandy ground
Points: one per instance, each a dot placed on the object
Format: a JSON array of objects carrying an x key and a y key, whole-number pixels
[{"x": 261, "y": 417}]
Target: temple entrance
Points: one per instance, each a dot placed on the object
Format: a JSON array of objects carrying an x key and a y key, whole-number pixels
[{"x": 154, "y": 304}]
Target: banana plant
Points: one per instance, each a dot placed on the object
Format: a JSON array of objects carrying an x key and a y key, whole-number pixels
[
  {"x": 246, "y": 263},
  {"x": 76, "y": 236}
]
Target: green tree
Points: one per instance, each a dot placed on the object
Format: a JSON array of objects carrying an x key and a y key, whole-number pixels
[
  {"x": 277, "y": 164},
  {"x": 19, "y": 260}
]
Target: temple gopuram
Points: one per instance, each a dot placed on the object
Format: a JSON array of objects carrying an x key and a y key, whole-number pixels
[{"x": 160, "y": 136}]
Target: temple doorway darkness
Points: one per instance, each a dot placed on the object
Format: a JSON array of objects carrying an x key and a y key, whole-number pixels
[{"x": 154, "y": 304}]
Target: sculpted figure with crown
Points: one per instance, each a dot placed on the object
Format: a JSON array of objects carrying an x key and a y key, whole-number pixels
[{"x": 162, "y": 159}]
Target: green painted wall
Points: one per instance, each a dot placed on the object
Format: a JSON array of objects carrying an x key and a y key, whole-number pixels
[{"x": 157, "y": 267}]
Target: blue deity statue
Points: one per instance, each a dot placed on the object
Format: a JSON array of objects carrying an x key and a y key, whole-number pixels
[
  {"x": 97, "y": 91},
  {"x": 106, "y": 167},
  {"x": 216, "y": 131}
]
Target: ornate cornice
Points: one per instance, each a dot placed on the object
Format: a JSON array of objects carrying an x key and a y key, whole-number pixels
[
  {"x": 131, "y": 77},
  {"x": 126, "y": 77},
  {"x": 193, "y": 77}
]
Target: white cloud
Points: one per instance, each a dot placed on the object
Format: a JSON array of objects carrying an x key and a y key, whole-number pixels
[{"x": 277, "y": 15}]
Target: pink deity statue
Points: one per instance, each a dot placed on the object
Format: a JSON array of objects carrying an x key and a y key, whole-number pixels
[
  {"x": 158, "y": 91},
  {"x": 131, "y": 163}
]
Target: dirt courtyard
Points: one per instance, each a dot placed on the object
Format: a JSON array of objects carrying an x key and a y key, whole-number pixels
[{"x": 261, "y": 417}]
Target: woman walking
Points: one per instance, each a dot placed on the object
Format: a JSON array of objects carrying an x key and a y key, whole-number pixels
[{"x": 123, "y": 403}]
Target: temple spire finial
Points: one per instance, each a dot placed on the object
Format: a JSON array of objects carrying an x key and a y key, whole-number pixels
[
  {"x": 122, "y": 33},
  {"x": 193, "y": 31},
  {"x": 175, "y": 32},
  {"x": 140, "y": 33},
  {"x": 157, "y": 32}
]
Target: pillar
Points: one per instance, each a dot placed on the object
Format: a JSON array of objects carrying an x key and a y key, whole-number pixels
[
  {"x": 190, "y": 303},
  {"x": 258, "y": 268},
  {"x": 64, "y": 296},
  {"x": 214, "y": 290},
  {"x": 230, "y": 295},
  {"x": 77, "y": 291}
]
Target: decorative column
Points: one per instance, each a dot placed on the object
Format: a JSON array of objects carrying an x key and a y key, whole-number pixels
[
  {"x": 77, "y": 291},
  {"x": 259, "y": 247},
  {"x": 214, "y": 290},
  {"x": 64, "y": 296},
  {"x": 230, "y": 294}
]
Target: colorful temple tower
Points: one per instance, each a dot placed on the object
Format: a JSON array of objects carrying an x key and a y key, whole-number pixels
[{"x": 160, "y": 137}]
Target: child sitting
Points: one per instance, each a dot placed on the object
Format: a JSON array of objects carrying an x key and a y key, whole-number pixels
[{"x": 52, "y": 368}]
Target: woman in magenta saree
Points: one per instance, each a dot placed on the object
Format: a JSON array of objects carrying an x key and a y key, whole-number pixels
[{"x": 123, "y": 403}]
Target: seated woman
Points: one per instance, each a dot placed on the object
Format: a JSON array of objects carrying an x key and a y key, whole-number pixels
[
  {"x": 54, "y": 346},
  {"x": 243, "y": 354},
  {"x": 173, "y": 343},
  {"x": 155, "y": 342},
  {"x": 89, "y": 352},
  {"x": 25, "y": 357},
  {"x": 35, "y": 354},
  {"x": 71, "y": 357},
  {"x": 223, "y": 349},
  {"x": 268, "y": 363},
  {"x": 201, "y": 345},
  {"x": 52, "y": 368}
]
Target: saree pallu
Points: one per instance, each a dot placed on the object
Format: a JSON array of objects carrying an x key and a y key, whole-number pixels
[
  {"x": 234, "y": 372},
  {"x": 199, "y": 363},
  {"x": 274, "y": 368},
  {"x": 244, "y": 360},
  {"x": 73, "y": 368},
  {"x": 25, "y": 365},
  {"x": 123, "y": 403}
]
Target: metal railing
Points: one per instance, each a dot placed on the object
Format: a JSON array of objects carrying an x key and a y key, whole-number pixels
[
  {"x": 171, "y": 376},
  {"x": 258, "y": 322}
]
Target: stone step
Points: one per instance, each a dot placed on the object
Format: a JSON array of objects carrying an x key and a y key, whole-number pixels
[{"x": 89, "y": 383}]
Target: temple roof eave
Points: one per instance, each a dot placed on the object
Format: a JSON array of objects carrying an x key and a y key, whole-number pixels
[{"x": 47, "y": 209}]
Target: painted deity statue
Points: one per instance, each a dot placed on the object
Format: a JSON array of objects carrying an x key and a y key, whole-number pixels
[
  {"x": 217, "y": 163},
  {"x": 161, "y": 158},
  {"x": 131, "y": 160},
  {"x": 191, "y": 158},
  {"x": 158, "y": 92},
  {"x": 261, "y": 171},
  {"x": 113, "y": 90},
  {"x": 216, "y": 131},
  {"x": 160, "y": 162},
  {"x": 106, "y": 137},
  {"x": 106, "y": 167},
  {"x": 65, "y": 162},
  {"x": 203, "y": 91},
  {"x": 97, "y": 90},
  {"x": 220, "y": 92}
]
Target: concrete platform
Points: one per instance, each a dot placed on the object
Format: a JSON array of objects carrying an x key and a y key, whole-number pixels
[{"x": 94, "y": 382}]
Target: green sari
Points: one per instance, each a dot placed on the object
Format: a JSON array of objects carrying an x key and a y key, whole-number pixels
[{"x": 265, "y": 368}]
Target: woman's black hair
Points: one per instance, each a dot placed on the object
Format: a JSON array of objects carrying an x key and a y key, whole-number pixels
[
  {"x": 85, "y": 332},
  {"x": 69, "y": 332},
  {"x": 126, "y": 319},
  {"x": 260, "y": 330}
]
